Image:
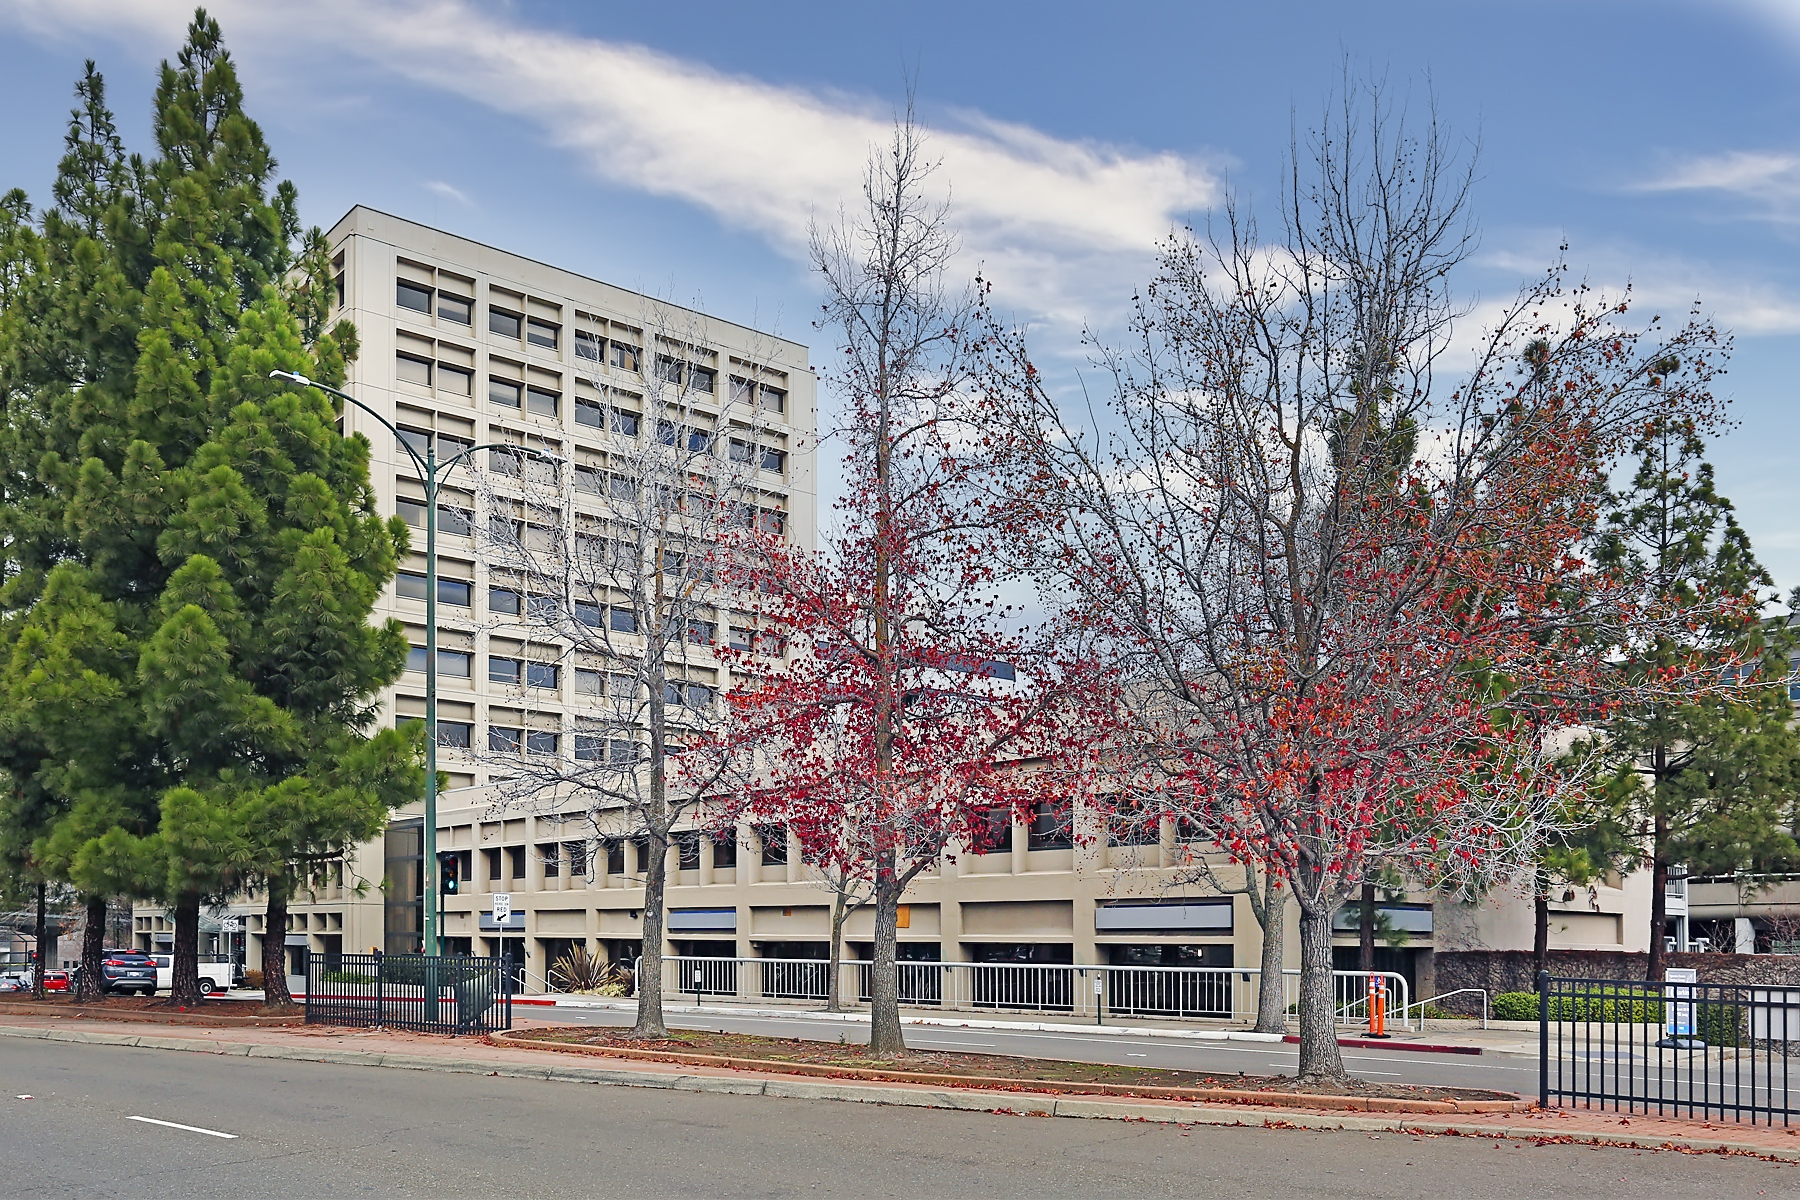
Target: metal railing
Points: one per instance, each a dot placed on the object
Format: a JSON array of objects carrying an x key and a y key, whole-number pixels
[
  {"x": 422, "y": 992},
  {"x": 1420, "y": 1005},
  {"x": 1676, "y": 1049},
  {"x": 1077, "y": 991}
]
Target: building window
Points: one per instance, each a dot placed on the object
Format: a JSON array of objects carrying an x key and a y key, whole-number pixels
[
  {"x": 541, "y": 608},
  {"x": 455, "y": 381},
  {"x": 455, "y": 308},
  {"x": 409, "y": 585},
  {"x": 504, "y": 392},
  {"x": 687, "y": 852},
  {"x": 458, "y": 521},
  {"x": 624, "y": 357},
  {"x": 505, "y": 739},
  {"x": 1052, "y": 826},
  {"x": 456, "y": 663},
  {"x": 588, "y": 345},
  {"x": 773, "y": 460},
  {"x": 540, "y": 402},
  {"x": 702, "y": 379},
  {"x": 589, "y": 413},
  {"x": 774, "y": 399},
  {"x": 457, "y": 592},
  {"x": 541, "y": 741},
  {"x": 455, "y": 734},
  {"x": 504, "y": 670},
  {"x": 622, "y": 752},
  {"x": 408, "y": 369},
  {"x": 411, "y": 511},
  {"x": 991, "y": 831},
  {"x": 413, "y": 296},
  {"x": 543, "y": 675},
  {"x": 621, "y": 619},
  {"x": 615, "y": 856},
  {"x": 725, "y": 852},
  {"x": 588, "y": 613},
  {"x": 416, "y": 659},
  {"x": 590, "y": 479},
  {"x": 541, "y": 333},
  {"x": 702, "y": 632},
  {"x": 506, "y": 324},
  {"x": 589, "y": 747},
  {"x": 578, "y": 857},
  {"x": 668, "y": 369},
  {"x": 588, "y": 683},
  {"x": 503, "y": 600},
  {"x": 625, "y": 423},
  {"x": 774, "y": 846}
]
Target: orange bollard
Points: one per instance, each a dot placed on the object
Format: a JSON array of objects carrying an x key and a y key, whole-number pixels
[{"x": 1377, "y": 1006}]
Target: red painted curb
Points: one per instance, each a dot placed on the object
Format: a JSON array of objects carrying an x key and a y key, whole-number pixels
[{"x": 1379, "y": 1044}]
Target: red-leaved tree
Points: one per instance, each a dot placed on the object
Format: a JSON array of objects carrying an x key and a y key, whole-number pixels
[
  {"x": 903, "y": 712},
  {"x": 1347, "y": 602}
]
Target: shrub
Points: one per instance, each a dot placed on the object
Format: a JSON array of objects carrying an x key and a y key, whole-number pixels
[
  {"x": 1515, "y": 1006},
  {"x": 253, "y": 979},
  {"x": 1623, "y": 1005}
]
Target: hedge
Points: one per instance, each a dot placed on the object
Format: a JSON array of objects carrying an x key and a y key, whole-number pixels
[{"x": 1716, "y": 1023}]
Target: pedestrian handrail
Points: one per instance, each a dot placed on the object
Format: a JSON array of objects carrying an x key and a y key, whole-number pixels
[
  {"x": 1080, "y": 991},
  {"x": 1482, "y": 992}
]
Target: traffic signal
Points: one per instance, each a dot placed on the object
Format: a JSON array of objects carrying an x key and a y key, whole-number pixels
[{"x": 449, "y": 866}]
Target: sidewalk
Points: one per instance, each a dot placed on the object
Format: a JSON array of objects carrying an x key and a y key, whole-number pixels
[
  {"x": 1437, "y": 1041},
  {"x": 422, "y": 1052}
]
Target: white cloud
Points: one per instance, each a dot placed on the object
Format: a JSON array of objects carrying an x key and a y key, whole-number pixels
[
  {"x": 1050, "y": 217},
  {"x": 1771, "y": 179},
  {"x": 438, "y": 187}
]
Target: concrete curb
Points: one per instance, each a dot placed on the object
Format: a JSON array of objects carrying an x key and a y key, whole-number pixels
[{"x": 806, "y": 1089}]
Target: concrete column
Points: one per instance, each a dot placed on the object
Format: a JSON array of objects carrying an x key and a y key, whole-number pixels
[
  {"x": 706, "y": 861},
  {"x": 1745, "y": 935},
  {"x": 1021, "y": 841},
  {"x": 793, "y": 856},
  {"x": 750, "y": 856}
]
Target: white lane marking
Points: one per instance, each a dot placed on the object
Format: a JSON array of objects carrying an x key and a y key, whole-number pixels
[
  {"x": 958, "y": 1045},
  {"x": 1137, "y": 1056},
  {"x": 189, "y": 1128}
]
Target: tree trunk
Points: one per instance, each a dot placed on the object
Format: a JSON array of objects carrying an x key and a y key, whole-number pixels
[
  {"x": 1540, "y": 926},
  {"x": 44, "y": 943},
  {"x": 885, "y": 1035},
  {"x": 1271, "y": 993},
  {"x": 1659, "y": 917},
  {"x": 184, "y": 974},
  {"x": 93, "y": 943},
  {"x": 1365, "y": 949},
  {"x": 649, "y": 977},
  {"x": 1320, "y": 1060},
  {"x": 833, "y": 997},
  {"x": 274, "y": 946}
]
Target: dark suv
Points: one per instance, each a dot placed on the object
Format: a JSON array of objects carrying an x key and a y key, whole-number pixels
[{"x": 127, "y": 971}]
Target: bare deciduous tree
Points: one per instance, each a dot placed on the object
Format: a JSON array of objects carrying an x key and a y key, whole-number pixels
[{"x": 609, "y": 562}]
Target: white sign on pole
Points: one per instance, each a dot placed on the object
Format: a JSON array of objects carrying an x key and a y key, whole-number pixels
[
  {"x": 1679, "y": 1001},
  {"x": 234, "y": 924},
  {"x": 502, "y": 907}
]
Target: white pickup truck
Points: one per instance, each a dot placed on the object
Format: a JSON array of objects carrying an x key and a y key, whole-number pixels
[{"x": 214, "y": 976}]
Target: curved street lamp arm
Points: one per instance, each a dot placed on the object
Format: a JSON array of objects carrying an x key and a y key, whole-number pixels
[{"x": 425, "y": 475}]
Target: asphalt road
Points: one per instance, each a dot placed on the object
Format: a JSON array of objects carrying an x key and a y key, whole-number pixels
[
  {"x": 313, "y": 1129},
  {"x": 1506, "y": 1073}
]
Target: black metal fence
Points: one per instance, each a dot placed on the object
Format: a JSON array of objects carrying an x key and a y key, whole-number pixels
[
  {"x": 1673, "y": 1049},
  {"x": 423, "y": 992}
]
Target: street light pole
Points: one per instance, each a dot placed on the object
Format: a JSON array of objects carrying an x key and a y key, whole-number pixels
[{"x": 431, "y": 472}]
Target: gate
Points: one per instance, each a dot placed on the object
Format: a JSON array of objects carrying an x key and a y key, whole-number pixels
[
  {"x": 1674, "y": 1049},
  {"x": 423, "y": 992}
]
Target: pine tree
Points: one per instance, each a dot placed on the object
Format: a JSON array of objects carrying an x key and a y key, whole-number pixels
[
  {"x": 196, "y": 552},
  {"x": 1709, "y": 785}
]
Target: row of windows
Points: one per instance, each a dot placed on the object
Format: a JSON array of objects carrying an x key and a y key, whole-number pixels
[
  {"x": 459, "y": 664},
  {"x": 590, "y": 346}
]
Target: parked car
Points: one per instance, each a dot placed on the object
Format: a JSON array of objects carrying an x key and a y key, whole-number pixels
[
  {"x": 13, "y": 983},
  {"x": 56, "y": 981},
  {"x": 127, "y": 971},
  {"x": 214, "y": 976}
]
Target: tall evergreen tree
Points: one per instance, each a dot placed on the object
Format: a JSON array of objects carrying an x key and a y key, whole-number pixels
[
  {"x": 194, "y": 551},
  {"x": 1709, "y": 785}
]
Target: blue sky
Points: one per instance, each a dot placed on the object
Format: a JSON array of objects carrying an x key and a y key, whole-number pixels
[{"x": 681, "y": 147}]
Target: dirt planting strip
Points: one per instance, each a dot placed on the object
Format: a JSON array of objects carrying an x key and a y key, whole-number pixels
[
  {"x": 154, "y": 1016},
  {"x": 988, "y": 1083}
]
